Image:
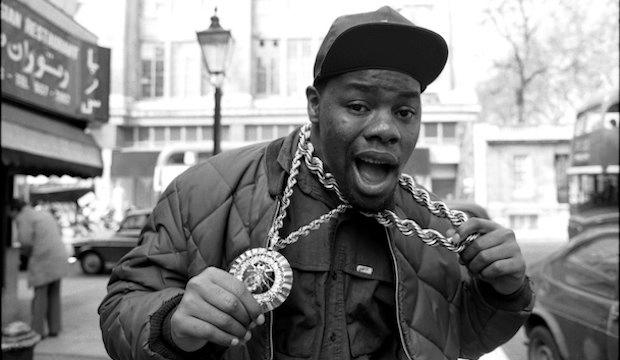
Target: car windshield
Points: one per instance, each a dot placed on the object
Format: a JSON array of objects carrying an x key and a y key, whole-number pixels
[{"x": 134, "y": 222}]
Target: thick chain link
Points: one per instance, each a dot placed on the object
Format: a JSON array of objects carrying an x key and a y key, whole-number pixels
[{"x": 386, "y": 218}]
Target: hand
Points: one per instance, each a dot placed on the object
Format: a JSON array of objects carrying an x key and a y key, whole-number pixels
[
  {"x": 216, "y": 307},
  {"x": 494, "y": 257}
]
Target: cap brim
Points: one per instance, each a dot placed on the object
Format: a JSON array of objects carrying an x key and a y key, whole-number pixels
[{"x": 415, "y": 51}]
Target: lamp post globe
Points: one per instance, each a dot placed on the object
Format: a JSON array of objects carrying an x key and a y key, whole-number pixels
[{"x": 216, "y": 45}]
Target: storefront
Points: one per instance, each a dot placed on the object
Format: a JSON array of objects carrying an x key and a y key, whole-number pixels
[{"x": 55, "y": 86}]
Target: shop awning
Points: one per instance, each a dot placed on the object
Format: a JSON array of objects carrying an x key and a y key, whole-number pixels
[
  {"x": 58, "y": 193},
  {"x": 133, "y": 163},
  {"x": 34, "y": 144}
]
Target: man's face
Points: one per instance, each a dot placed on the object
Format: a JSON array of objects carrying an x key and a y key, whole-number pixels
[{"x": 365, "y": 126}]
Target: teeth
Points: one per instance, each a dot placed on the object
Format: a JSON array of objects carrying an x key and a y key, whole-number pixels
[{"x": 376, "y": 162}]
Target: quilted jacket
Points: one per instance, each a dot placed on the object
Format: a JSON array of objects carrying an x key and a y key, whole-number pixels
[{"x": 219, "y": 208}]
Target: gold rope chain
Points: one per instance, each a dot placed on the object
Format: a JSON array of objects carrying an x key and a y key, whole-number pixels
[{"x": 386, "y": 218}]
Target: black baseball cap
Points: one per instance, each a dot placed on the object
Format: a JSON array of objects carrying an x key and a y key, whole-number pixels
[{"x": 381, "y": 39}]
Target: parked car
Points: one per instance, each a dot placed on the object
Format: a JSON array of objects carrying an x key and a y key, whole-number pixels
[
  {"x": 98, "y": 253},
  {"x": 576, "y": 310}
]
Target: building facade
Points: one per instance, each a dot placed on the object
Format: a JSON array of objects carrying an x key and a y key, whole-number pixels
[
  {"x": 55, "y": 88},
  {"x": 161, "y": 95},
  {"x": 520, "y": 176}
]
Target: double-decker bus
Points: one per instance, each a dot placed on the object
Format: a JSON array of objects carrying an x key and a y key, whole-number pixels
[{"x": 593, "y": 171}]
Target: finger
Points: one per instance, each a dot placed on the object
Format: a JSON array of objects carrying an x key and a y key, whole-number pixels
[
  {"x": 488, "y": 256},
  {"x": 476, "y": 225},
  {"x": 209, "y": 313},
  {"x": 481, "y": 243},
  {"x": 237, "y": 287},
  {"x": 194, "y": 328},
  {"x": 225, "y": 301},
  {"x": 504, "y": 267}
]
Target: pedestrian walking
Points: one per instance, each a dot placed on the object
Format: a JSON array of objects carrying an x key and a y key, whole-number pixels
[
  {"x": 315, "y": 246},
  {"x": 39, "y": 235}
]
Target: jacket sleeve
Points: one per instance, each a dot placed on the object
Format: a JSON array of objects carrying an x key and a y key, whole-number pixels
[
  {"x": 488, "y": 319},
  {"x": 146, "y": 286}
]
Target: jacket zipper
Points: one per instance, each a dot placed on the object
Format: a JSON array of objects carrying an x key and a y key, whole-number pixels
[
  {"x": 396, "y": 283},
  {"x": 275, "y": 214}
]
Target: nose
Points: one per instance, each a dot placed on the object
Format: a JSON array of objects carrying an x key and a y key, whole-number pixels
[{"x": 382, "y": 127}]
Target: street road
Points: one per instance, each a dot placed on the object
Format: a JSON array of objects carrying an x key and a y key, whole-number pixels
[{"x": 81, "y": 295}]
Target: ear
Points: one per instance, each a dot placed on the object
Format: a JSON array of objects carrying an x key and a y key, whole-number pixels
[{"x": 313, "y": 96}]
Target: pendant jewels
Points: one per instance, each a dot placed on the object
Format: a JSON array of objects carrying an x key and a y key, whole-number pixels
[{"x": 267, "y": 275}]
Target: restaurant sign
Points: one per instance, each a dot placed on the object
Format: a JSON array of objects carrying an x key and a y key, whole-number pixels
[{"x": 45, "y": 66}]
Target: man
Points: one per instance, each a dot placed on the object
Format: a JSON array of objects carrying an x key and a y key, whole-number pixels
[
  {"x": 39, "y": 235},
  {"x": 330, "y": 199}
]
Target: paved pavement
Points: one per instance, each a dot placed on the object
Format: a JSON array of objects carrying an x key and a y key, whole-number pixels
[{"x": 80, "y": 337}]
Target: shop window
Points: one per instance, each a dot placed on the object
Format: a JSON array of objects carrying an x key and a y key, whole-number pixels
[{"x": 152, "y": 62}]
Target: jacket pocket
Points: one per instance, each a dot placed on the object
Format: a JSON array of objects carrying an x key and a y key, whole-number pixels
[{"x": 370, "y": 310}]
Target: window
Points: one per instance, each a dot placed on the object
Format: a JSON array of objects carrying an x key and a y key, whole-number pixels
[
  {"x": 160, "y": 134},
  {"x": 449, "y": 131},
  {"x": 592, "y": 267},
  {"x": 143, "y": 134},
  {"x": 590, "y": 191},
  {"x": 175, "y": 133},
  {"x": 191, "y": 133},
  {"x": 185, "y": 65},
  {"x": 561, "y": 179},
  {"x": 251, "y": 133},
  {"x": 523, "y": 222},
  {"x": 522, "y": 175},
  {"x": 207, "y": 133},
  {"x": 430, "y": 130},
  {"x": 267, "y": 67},
  {"x": 125, "y": 136},
  {"x": 152, "y": 61},
  {"x": 299, "y": 64}
]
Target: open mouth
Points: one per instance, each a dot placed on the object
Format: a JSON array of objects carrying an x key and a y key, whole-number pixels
[{"x": 375, "y": 173}]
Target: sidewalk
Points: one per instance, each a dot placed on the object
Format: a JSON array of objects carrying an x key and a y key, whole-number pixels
[{"x": 80, "y": 337}]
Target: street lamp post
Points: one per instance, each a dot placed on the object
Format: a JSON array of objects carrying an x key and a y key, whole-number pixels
[{"x": 216, "y": 45}]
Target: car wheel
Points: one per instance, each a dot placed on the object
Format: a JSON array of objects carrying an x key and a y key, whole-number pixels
[
  {"x": 542, "y": 346},
  {"x": 91, "y": 263}
]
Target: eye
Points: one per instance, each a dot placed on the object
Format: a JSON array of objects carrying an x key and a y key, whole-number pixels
[
  {"x": 406, "y": 113},
  {"x": 358, "y": 108}
]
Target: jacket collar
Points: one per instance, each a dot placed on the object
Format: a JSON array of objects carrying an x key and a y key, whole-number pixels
[{"x": 279, "y": 155}]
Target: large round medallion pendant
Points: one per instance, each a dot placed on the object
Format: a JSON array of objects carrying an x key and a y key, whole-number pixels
[{"x": 267, "y": 275}]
